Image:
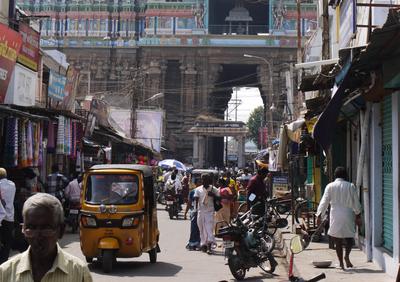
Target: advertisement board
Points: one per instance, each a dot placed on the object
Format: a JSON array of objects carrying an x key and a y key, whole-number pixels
[
  {"x": 123, "y": 118},
  {"x": 10, "y": 46},
  {"x": 56, "y": 86},
  {"x": 29, "y": 55},
  {"x": 22, "y": 87},
  {"x": 280, "y": 184},
  {"x": 70, "y": 89},
  {"x": 149, "y": 125}
]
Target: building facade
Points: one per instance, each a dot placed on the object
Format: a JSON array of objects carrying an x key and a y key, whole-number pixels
[{"x": 190, "y": 50}]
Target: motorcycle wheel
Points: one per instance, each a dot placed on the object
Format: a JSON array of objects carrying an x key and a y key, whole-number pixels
[
  {"x": 171, "y": 213},
  {"x": 236, "y": 269},
  {"x": 266, "y": 266},
  {"x": 268, "y": 242}
]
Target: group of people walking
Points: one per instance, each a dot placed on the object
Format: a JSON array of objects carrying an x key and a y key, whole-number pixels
[{"x": 212, "y": 200}]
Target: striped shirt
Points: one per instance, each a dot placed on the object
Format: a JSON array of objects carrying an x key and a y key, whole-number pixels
[{"x": 66, "y": 268}]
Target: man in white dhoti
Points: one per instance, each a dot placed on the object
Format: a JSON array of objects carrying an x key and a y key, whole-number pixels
[
  {"x": 204, "y": 199},
  {"x": 344, "y": 215}
]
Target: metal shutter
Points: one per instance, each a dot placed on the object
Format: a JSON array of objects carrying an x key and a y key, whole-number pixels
[{"x": 387, "y": 175}]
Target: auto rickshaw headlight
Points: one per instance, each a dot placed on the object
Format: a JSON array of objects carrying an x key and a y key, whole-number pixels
[
  {"x": 130, "y": 221},
  {"x": 88, "y": 221}
]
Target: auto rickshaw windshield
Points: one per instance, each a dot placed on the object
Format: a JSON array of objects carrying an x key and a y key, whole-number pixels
[{"x": 114, "y": 189}]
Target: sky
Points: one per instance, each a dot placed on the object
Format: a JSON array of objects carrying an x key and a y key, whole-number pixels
[{"x": 249, "y": 100}]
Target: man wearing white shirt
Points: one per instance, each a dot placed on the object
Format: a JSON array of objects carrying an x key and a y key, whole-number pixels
[
  {"x": 345, "y": 213},
  {"x": 7, "y": 194}
]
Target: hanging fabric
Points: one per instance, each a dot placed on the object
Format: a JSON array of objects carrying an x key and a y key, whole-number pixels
[
  {"x": 36, "y": 144},
  {"x": 23, "y": 156},
  {"x": 51, "y": 137},
  {"x": 60, "y": 136},
  {"x": 73, "y": 149},
  {"x": 11, "y": 143},
  {"x": 29, "y": 144}
]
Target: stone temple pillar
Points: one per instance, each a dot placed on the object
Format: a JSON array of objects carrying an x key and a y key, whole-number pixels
[
  {"x": 195, "y": 151},
  {"x": 241, "y": 151},
  {"x": 202, "y": 150}
]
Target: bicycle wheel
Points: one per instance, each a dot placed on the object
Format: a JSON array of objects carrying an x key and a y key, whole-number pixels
[
  {"x": 242, "y": 209},
  {"x": 305, "y": 212}
]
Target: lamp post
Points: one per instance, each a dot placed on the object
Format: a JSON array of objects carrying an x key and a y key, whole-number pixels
[{"x": 271, "y": 89}]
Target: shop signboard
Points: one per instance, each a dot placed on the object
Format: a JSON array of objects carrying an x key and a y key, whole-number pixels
[
  {"x": 29, "y": 55},
  {"x": 280, "y": 183},
  {"x": 70, "y": 89},
  {"x": 56, "y": 86},
  {"x": 149, "y": 125},
  {"x": 10, "y": 46},
  {"x": 22, "y": 87}
]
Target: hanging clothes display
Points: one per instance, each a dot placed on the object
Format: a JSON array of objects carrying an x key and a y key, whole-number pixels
[
  {"x": 36, "y": 144},
  {"x": 61, "y": 136},
  {"x": 29, "y": 144},
  {"x": 23, "y": 157},
  {"x": 51, "y": 137},
  {"x": 11, "y": 143}
]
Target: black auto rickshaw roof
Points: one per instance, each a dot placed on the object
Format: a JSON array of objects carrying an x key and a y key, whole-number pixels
[{"x": 145, "y": 169}]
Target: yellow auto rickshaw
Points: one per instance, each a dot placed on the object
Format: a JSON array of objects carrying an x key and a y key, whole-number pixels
[{"x": 118, "y": 218}]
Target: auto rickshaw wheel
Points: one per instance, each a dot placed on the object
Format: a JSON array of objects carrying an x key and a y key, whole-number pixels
[
  {"x": 107, "y": 260},
  {"x": 153, "y": 255},
  {"x": 89, "y": 260}
]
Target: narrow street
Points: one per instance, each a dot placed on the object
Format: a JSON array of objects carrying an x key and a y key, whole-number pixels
[{"x": 175, "y": 263}]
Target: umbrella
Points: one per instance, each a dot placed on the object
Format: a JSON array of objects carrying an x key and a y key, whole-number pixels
[
  {"x": 263, "y": 155},
  {"x": 168, "y": 163}
]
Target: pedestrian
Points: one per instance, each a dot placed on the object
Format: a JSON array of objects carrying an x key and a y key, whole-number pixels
[
  {"x": 44, "y": 260},
  {"x": 194, "y": 238},
  {"x": 345, "y": 213},
  {"x": 204, "y": 198},
  {"x": 73, "y": 190},
  {"x": 56, "y": 182},
  {"x": 7, "y": 195},
  {"x": 185, "y": 186},
  {"x": 223, "y": 216},
  {"x": 258, "y": 188}
]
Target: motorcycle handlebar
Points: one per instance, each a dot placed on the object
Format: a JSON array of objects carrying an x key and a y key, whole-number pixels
[{"x": 317, "y": 278}]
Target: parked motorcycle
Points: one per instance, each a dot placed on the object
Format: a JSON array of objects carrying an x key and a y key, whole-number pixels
[
  {"x": 172, "y": 205},
  {"x": 160, "y": 193},
  {"x": 247, "y": 245},
  {"x": 72, "y": 215}
]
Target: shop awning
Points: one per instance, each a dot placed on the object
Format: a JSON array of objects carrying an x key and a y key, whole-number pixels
[
  {"x": 319, "y": 81},
  {"x": 324, "y": 128},
  {"x": 7, "y": 111}
]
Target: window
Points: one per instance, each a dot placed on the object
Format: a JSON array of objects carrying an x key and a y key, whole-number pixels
[{"x": 116, "y": 189}]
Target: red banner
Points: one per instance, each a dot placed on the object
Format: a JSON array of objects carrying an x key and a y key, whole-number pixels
[
  {"x": 10, "y": 46},
  {"x": 29, "y": 55},
  {"x": 263, "y": 137}
]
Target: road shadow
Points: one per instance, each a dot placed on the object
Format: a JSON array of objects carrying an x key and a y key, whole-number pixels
[
  {"x": 364, "y": 270},
  {"x": 139, "y": 269}
]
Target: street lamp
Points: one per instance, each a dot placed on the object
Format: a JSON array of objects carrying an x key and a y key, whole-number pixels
[
  {"x": 154, "y": 97},
  {"x": 271, "y": 89}
]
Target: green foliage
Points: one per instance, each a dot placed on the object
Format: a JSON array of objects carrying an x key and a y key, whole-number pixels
[{"x": 254, "y": 123}]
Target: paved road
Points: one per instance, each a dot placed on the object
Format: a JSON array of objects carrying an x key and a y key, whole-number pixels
[{"x": 175, "y": 263}]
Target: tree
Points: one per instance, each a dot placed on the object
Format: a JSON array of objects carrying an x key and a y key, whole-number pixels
[{"x": 254, "y": 123}]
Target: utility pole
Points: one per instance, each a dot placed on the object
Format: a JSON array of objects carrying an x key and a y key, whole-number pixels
[{"x": 299, "y": 53}]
